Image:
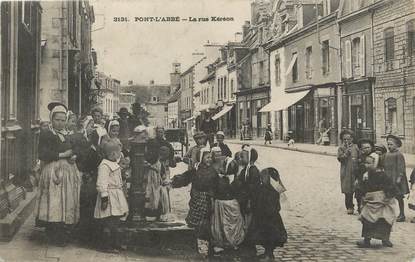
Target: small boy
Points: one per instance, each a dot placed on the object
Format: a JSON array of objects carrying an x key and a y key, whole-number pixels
[
  {"x": 191, "y": 156},
  {"x": 220, "y": 137},
  {"x": 111, "y": 204}
]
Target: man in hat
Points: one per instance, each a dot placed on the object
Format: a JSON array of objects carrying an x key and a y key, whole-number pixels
[
  {"x": 220, "y": 136},
  {"x": 208, "y": 126},
  {"x": 347, "y": 155},
  {"x": 191, "y": 156},
  {"x": 124, "y": 126}
]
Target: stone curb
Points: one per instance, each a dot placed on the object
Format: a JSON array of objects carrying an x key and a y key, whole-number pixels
[{"x": 325, "y": 153}]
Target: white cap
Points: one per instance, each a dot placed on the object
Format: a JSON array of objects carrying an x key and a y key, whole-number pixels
[{"x": 140, "y": 129}]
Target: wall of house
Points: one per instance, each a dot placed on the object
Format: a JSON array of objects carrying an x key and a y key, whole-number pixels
[{"x": 395, "y": 79}]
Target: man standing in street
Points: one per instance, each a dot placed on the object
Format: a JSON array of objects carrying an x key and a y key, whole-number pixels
[{"x": 208, "y": 126}]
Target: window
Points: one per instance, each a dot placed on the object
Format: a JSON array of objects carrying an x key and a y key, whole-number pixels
[
  {"x": 389, "y": 44},
  {"x": 411, "y": 37},
  {"x": 154, "y": 99},
  {"x": 308, "y": 65},
  {"x": 224, "y": 88},
  {"x": 326, "y": 57},
  {"x": 277, "y": 70},
  {"x": 232, "y": 89},
  {"x": 391, "y": 115},
  {"x": 218, "y": 89},
  {"x": 261, "y": 73},
  {"x": 356, "y": 56},
  {"x": 295, "y": 69}
]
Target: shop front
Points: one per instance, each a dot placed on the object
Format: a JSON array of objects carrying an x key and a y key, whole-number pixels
[{"x": 357, "y": 111}]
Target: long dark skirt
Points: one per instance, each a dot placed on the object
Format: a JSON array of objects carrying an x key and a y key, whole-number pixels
[
  {"x": 199, "y": 213},
  {"x": 378, "y": 230},
  {"x": 269, "y": 233}
]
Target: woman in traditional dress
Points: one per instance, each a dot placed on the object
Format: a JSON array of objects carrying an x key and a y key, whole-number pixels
[
  {"x": 379, "y": 204},
  {"x": 347, "y": 155},
  {"x": 395, "y": 169},
  {"x": 268, "y": 227},
  {"x": 60, "y": 181},
  {"x": 204, "y": 181}
]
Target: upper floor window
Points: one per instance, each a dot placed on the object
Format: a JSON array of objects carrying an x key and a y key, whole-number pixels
[
  {"x": 261, "y": 73},
  {"x": 411, "y": 37},
  {"x": 295, "y": 69},
  {"x": 232, "y": 89},
  {"x": 389, "y": 37},
  {"x": 277, "y": 70},
  {"x": 326, "y": 57},
  {"x": 356, "y": 56},
  {"x": 27, "y": 14},
  {"x": 224, "y": 88},
  {"x": 308, "y": 64}
]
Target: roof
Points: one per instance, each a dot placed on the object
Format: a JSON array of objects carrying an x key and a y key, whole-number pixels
[
  {"x": 192, "y": 66},
  {"x": 175, "y": 97},
  {"x": 210, "y": 76},
  {"x": 144, "y": 93}
]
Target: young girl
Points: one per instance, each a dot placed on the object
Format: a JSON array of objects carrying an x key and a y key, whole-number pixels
[
  {"x": 165, "y": 184},
  {"x": 268, "y": 227},
  {"x": 111, "y": 204},
  {"x": 153, "y": 185},
  {"x": 204, "y": 180},
  {"x": 395, "y": 169},
  {"x": 191, "y": 156},
  {"x": 377, "y": 214},
  {"x": 227, "y": 221}
]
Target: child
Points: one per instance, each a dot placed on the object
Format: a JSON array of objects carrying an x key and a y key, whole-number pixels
[
  {"x": 395, "y": 169},
  {"x": 267, "y": 226},
  {"x": 246, "y": 183},
  {"x": 111, "y": 204},
  {"x": 204, "y": 180},
  {"x": 190, "y": 158},
  {"x": 227, "y": 221},
  {"x": 153, "y": 185},
  {"x": 220, "y": 136},
  {"x": 377, "y": 214},
  {"x": 165, "y": 184}
]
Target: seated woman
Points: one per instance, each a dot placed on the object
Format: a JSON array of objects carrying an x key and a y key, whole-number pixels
[{"x": 204, "y": 181}]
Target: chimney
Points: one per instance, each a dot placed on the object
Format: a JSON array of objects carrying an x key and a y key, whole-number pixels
[
  {"x": 130, "y": 82},
  {"x": 245, "y": 29},
  {"x": 152, "y": 82},
  {"x": 238, "y": 37}
]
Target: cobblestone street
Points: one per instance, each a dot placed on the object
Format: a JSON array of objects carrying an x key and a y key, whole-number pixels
[{"x": 318, "y": 227}]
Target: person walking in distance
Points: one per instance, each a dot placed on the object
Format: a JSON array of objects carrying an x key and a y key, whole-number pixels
[
  {"x": 208, "y": 126},
  {"x": 347, "y": 155}
]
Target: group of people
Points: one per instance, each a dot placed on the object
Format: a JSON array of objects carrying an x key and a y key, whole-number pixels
[
  {"x": 376, "y": 176},
  {"x": 232, "y": 202},
  {"x": 83, "y": 183}
]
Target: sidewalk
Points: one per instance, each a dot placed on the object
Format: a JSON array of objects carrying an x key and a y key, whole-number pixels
[{"x": 309, "y": 148}]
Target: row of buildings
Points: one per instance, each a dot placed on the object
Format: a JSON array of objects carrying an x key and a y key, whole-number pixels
[
  {"x": 305, "y": 65},
  {"x": 46, "y": 55}
]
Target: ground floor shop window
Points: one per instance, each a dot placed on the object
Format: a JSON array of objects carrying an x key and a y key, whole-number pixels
[{"x": 394, "y": 116}]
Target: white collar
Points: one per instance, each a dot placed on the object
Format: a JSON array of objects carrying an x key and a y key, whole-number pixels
[{"x": 112, "y": 165}]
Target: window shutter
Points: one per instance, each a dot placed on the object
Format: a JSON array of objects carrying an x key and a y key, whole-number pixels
[
  {"x": 362, "y": 56},
  {"x": 401, "y": 118},
  {"x": 348, "y": 67}
]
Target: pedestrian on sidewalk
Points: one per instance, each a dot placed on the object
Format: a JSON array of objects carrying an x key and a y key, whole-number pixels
[
  {"x": 366, "y": 147},
  {"x": 60, "y": 180},
  {"x": 379, "y": 203},
  {"x": 347, "y": 155},
  {"x": 204, "y": 180},
  {"x": 411, "y": 200},
  {"x": 246, "y": 184},
  {"x": 111, "y": 205},
  {"x": 395, "y": 169},
  {"x": 268, "y": 135},
  {"x": 220, "y": 137},
  {"x": 268, "y": 227},
  {"x": 208, "y": 126}
]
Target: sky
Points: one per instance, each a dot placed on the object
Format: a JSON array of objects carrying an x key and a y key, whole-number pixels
[{"x": 144, "y": 51}]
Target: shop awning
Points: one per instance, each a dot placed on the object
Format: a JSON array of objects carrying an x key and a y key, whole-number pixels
[
  {"x": 222, "y": 112},
  {"x": 283, "y": 101}
]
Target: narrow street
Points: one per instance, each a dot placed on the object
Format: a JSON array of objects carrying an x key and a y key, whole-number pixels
[{"x": 318, "y": 227}]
